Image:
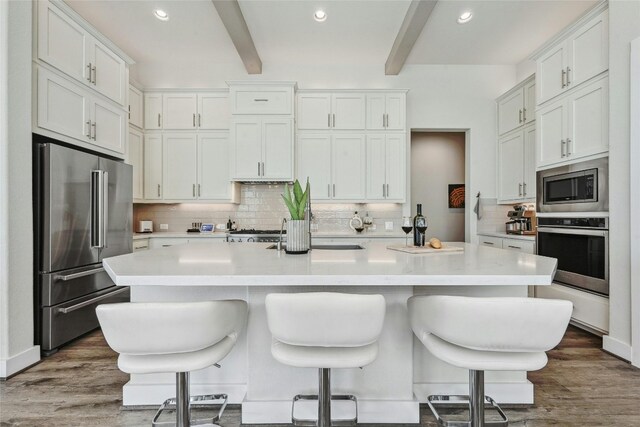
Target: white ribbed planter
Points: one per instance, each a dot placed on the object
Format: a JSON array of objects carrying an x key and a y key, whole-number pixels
[{"x": 297, "y": 236}]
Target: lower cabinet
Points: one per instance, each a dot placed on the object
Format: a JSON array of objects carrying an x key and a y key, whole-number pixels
[
  {"x": 140, "y": 245},
  {"x": 519, "y": 245},
  {"x": 165, "y": 242}
]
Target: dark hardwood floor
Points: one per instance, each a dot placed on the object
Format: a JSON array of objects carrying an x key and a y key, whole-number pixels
[{"x": 81, "y": 386}]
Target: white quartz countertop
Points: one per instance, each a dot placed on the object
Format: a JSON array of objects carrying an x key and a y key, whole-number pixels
[
  {"x": 179, "y": 234},
  {"x": 507, "y": 236},
  {"x": 318, "y": 234},
  {"x": 228, "y": 264}
]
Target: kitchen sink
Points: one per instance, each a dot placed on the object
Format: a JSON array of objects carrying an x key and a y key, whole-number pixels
[{"x": 328, "y": 247}]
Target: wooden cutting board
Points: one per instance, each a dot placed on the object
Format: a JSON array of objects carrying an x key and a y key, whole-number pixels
[{"x": 427, "y": 249}]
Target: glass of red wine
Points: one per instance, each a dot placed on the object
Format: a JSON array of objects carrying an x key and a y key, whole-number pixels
[{"x": 407, "y": 226}]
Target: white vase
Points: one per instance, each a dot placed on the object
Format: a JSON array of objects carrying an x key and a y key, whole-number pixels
[{"x": 297, "y": 236}]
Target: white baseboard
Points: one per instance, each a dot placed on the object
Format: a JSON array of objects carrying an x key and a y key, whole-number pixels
[
  {"x": 617, "y": 347},
  {"x": 517, "y": 392},
  {"x": 143, "y": 394},
  {"x": 20, "y": 361}
]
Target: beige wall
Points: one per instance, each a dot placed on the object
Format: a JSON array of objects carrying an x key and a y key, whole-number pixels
[{"x": 437, "y": 160}]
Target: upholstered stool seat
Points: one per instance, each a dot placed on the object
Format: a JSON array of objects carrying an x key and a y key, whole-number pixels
[
  {"x": 173, "y": 338},
  {"x": 487, "y": 334},
  {"x": 325, "y": 331}
]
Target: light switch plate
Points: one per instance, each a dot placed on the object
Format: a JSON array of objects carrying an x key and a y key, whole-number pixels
[
  {"x": 164, "y": 226},
  {"x": 388, "y": 225}
]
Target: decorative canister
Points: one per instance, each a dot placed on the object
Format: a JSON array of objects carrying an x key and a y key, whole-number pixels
[{"x": 297, "y": 236}]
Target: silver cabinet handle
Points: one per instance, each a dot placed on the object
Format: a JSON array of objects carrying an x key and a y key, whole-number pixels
[
  {"x": 568, "y": 146},
  {"x": 78, "y": 306},
  {"x": 95, "y": 131},
  {"x": 524, "y": 115},
  {"x": 158, "y": 119},
  {"x": 564, "y": 76},
  {"x": 328, "y": 120},
  {"x": 488, "y": 243},
  {"x": 258, "y": 168},
  {"x": 89, "y": 129},
  {"x": 328, "y": 190},
  {"x": 514, "y": 247},
  {"x": 73, "y": 276},
  {"x": 93, "y": 80},
  {"x": 562, "y": 147},
  {"x": 262, "y": 168},
  {"x": 384, "y": 116},
  {"x": 568, "y": 80},
  {"x": 334, "y": 119},
  {"x": 520, "y": 189},
  {"x": 199, "y": 120},
  {"x": 158, "y": 190},
  {"x": 386, "y": 120},
  {"x": 334, "y": 190},
  {"x": 193, "y": 191},
  {"x": 387, "y": 190},
  {"x": 198, "y": 190},
  {"x": 519, "y": 116},
  {"x": 89, "y": 76},
  {"x": 383, "y": 191},
  {"x": 129, "y": 112},
  {"x": 194, "y": 119},
  {"x": 260, "y": 99},
  {"x": 524, "y": 189}
]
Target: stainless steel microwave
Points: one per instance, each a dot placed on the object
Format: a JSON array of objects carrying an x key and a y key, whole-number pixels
[{"x": 580, "y": 187}]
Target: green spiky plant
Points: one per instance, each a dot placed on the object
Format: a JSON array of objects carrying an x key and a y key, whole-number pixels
[{"x": 296, "y": 200}]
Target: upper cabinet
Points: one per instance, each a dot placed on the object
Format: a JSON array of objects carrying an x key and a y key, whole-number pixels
[
  {"x": 213, "y": 110},
  {"x": 179, "y": 110},
  {"x": 135, "y": 107},
  {"x": 187, "y": 110},
  {"x": 65, "y": 43},
  {"x": 386, "y": 111},
  {"x": 262, "y": 98},
  {"x": 516, "y": 166},
  {"x": 517, "y": 107},
  {"x": 575, "y": 58}
]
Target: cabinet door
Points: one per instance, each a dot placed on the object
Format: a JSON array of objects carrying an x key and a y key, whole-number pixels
[
  {"x": 246, "y": 145},
  {"x": 62, "y": 43},
  {"x": 135, "y": 107},
  {"x": 153, "y": 111},
  {"x": 277, "y": 148},
  {"x": 526, "y": 246},
  {"x": 109, "y": 72},
  {"x": 213, "y": 167},
  {"x": 348, "y": 111},
  {"x": 153, "y": 166},
  {"x": 376, "y": 110},
  {"x": 549, "y": 74},
  {"x": 135, "y": 159},
  {"x": 589, "y": 50},
  {"x": 529, "y": 161},
  {"x": 510, "y": 155},
  {"x": 395, "y": 108},
  {"x": 213, "y": 111},
  {"x": 376, "y": 167},
  {"x": 552, "y": 124},
  {"x": 314, "y": 111},
  {"x": 588, "y": 120},
  {"x": 179, "y": 110},
  {"x": 529, "y": 111},
  {"x": 179, "y": 173},
  {"x": 510, "y": 112},
  {"x": 63, "y": 107},
  {"x": 348, "y": 167},
  {"x": 396, "y": 167},
  {"x": 314, "y": 163},
  {"x": 493, "y": 242},
  {"x": 109, "y": 125}
]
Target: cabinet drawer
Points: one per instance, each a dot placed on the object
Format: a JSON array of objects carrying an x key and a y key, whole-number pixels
[
  {"x": 525, "y": 246},
  {"x": 165, "y": 242},
  {"x": 140, "y": 245},
  {"x": 494, "y": 242},
  {"x": 268, "y": 100}
]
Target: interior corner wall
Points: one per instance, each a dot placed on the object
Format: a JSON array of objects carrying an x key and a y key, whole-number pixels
[
  {"x": 524, "y": 69},
  {"x": 624, "y": 17},
  {"x": 4, "y": 184},
  {"x": 17, "y": 292}
]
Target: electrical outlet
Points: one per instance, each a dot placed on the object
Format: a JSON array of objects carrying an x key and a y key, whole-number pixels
[
  {"x": 388, "y": 225},
  {"x": 164, "y": 226}
]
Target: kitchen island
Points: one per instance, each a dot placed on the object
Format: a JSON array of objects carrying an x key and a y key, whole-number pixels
[{"x": 390, "y": 389}]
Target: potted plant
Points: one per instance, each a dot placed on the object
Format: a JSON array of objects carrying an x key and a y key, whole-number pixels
[{"x": 297, "y": 227}]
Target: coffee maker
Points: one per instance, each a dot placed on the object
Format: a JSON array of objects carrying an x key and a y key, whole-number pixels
[{"x": 521, "y": 221}]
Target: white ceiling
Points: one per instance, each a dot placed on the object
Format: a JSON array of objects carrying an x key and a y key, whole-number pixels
[{"x": 355, "y": 32}]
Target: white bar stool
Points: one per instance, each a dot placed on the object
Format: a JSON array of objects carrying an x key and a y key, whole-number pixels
[
  {"x": 486, "y": 334},
  {"x": 325, "y": 331},
  {"x": 174, "y": 337}
]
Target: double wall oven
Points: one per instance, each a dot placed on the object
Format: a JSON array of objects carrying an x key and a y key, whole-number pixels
[{"x": 573, "y": 224}]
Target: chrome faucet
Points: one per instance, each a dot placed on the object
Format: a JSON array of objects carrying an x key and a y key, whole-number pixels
[{"x": 279, "y": 245}]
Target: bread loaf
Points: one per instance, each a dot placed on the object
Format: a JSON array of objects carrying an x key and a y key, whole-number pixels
[{"x": 435, "y": 243}]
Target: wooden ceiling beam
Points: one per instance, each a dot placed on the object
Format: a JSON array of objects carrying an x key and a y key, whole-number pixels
[
  {"x": 233, "y": 20},
  {"x": 414, "y": 21}
]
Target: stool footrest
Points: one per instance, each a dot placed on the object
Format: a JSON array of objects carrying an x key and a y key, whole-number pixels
[
  {"x": 194, "y": 401},
  {"x": 456, "y": 400},
  {"x": 299, "y": 422}
]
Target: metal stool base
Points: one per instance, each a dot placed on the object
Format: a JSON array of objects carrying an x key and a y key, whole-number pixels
[
  {"x": 170, "y": 404},
  {"x": 433, "y": 400},
  {"x": 312, "y": 423}
]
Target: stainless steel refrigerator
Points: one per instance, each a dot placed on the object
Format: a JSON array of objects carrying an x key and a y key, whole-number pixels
[{"x": 83, "y": 213}]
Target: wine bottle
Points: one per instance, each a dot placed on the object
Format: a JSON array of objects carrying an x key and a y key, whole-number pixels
[{"x": 419, "y": 227}]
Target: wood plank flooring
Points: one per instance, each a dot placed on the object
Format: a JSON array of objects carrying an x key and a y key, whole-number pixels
[{"x": 81, "y": 386}]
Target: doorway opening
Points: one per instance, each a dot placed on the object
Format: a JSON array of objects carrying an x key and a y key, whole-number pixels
[{"x": 438, "y": 178}]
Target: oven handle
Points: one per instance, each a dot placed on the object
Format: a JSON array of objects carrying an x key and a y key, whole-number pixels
[{"x": 574, "y": 231}]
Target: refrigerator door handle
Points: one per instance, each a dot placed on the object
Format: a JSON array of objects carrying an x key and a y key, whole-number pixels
[
  {"x": 98, "y": 209},
  {"x": 105, "y": 209}
]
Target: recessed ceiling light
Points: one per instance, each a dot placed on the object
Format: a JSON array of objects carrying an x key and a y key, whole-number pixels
[
  {"x": 465, "y": 17},
  {"x": 161, "y": 14},
  {"x": 320, "y": 15}
]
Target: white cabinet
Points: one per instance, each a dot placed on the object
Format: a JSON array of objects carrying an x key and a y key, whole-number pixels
[
  {"x": 386, "y": 111},
  {"x": 213, "y": 111},
  {"x": 251, "y": 98},
  {"x": 574, "y": 126},
  {"x": 386, "y": 167},
  {"x": 71, "y": 110},
  {"x": 179, "y": 111},
  {"x": 135, "y": 107},
  {"x": 165, "y": 242},
  {"x": 213, "y": 166},
  {"x": 153, "y": 166},
  {"x": 511, "y": 244},
  {"x": 187, "y": 111},
  {"x": 516, "y": 166},
  {"x": 153, "y": 111},
  {"x": 135, "y": 157},
  {"x": 581, "y": 55},
  {"x": 262, "y": 148},
  {"x": 179, "y": 168},
  {"x": 66, "y": 45},
  {"x": 340, "y": 110},
  {"x": 140, "y": 245},
  {"x": 493, "y": 242},
  {"x": 517, "y": 107},
  {"x": 334, "y": 164}
]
